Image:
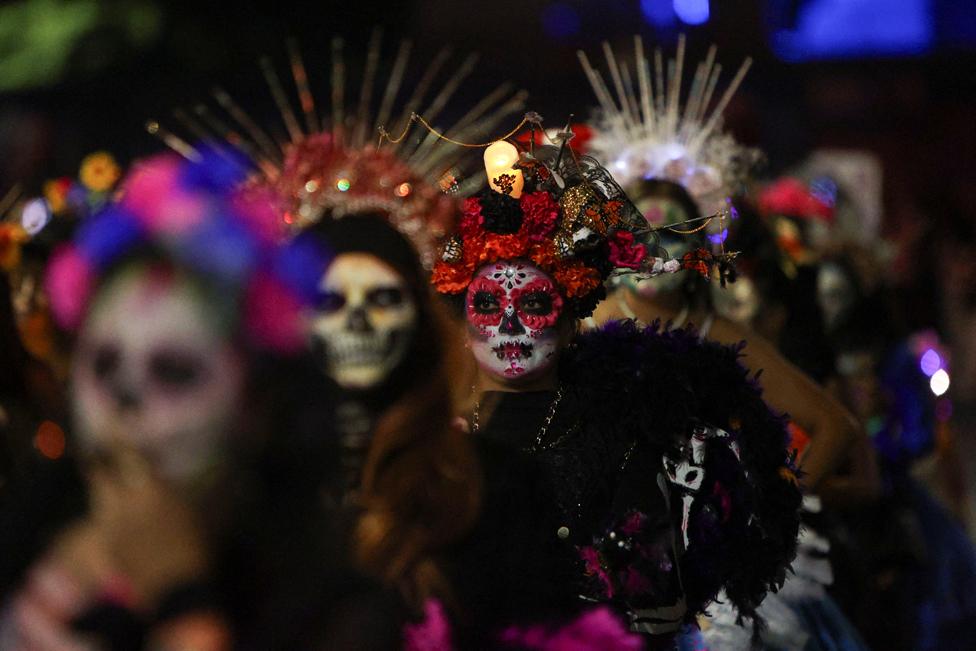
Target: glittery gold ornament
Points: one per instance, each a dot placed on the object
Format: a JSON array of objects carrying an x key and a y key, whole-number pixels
[
  {"x": 453, "y": 251},
  {"x": 574, "y": 200},
  {"x": 563, "y": 242}
]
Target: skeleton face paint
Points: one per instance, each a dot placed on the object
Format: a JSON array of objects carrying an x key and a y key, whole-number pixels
[
  {"x": 512, "y": 309},
  {"x": 365, "y": 320},
  {"x": 835, "y": 293},
  {"x": 153, "y": 367}
]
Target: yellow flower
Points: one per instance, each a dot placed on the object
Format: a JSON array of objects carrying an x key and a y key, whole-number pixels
[{"x": 99, "y": 172}]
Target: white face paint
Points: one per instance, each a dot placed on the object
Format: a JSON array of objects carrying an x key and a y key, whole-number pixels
[
  {"x": 365, "y": 320},
  {"x": 739, "y": 301},
  {"x": 154, "y": 369},
  {"x": 512, "y": 309},
  {"x": 835, "y": 293}
]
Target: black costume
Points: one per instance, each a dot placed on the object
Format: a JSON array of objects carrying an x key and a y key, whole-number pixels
[{"x": 632, "y": 400}]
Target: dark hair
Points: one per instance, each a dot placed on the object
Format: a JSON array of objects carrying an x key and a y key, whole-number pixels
[{"x": 663, "y": 189}]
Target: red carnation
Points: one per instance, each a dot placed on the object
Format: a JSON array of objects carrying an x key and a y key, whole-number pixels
[
  {"x": 472, "y": 220},
  {"x": 540, "y": 212},
  {"x": 623, "y": 251}
]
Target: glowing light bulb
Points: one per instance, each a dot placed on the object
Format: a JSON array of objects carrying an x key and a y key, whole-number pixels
[
  {"x": 500, "y": 159},
  {"x": 939, "y": 383},
  {"x": 343, "y": 184}
]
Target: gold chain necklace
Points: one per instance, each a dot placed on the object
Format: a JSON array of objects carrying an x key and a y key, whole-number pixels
[{"x": 476, "y": 421}]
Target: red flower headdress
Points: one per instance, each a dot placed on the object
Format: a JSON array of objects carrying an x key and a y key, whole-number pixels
[{"x": 571, "y": 220}]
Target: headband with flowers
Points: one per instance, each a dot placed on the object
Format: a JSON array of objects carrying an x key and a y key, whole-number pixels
[
  {"x": 193, "y": 213},
  {"x": 566, "y": 215}
]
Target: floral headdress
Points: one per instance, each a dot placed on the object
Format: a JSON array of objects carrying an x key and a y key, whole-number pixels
[
  {"x": 331, "y": 165},
  {"x": 567, "y": 216},
  {"x": 194, "y": 214},
  {"x": 647, "y": 132},
  {"x": 800, "y": 217}
]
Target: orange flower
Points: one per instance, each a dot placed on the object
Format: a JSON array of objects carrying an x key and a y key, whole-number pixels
[
  {"x": 544, "y": 255},
  {"x": 450, "y": 278},
  {"x": 99, "y": 172},
  {"x": 502, "y": 247},
  {"x": 577, "y": 279}
]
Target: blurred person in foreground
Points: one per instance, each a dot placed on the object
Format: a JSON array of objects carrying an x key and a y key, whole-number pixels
[{"x": 183, "y": 324}]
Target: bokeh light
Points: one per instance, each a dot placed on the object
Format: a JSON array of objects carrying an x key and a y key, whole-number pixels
[
  {"x": 658, "y": 12},
  {"x": 692, "y": 12},
  {"x": 930, "y": 362},
  {"x": 939, "y": 383},
  {"x": 49, "y": 440}
]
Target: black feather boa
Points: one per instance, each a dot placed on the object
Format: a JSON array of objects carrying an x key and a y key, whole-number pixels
[{"x": 657, "y": 384}]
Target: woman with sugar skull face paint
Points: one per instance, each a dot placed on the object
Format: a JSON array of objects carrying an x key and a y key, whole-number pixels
[
  {"x": 669, "y": 470},
  {"x": 177, "y": 302}
]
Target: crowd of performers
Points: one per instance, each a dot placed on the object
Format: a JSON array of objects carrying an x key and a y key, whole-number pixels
[{"x": 591, "y": 387}]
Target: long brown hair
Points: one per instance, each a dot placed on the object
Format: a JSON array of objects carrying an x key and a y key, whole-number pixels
[
  {"x": 421, "y": 484},
  {"x": 420, "y": 487}
]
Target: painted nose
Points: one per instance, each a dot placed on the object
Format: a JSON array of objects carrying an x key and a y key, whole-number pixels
[
  {"x": 510, "y": 323},
  {"x": 126, "y": 397},
  {"x": 358, "y": 321}
]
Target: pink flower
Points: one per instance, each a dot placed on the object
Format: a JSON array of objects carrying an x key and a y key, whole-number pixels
[
  {"x": 623, "y": 251},
  {"x": 598, "y": 628},
  {"x": 152, "y": 193},
  {"x": 540, "y": 212},
  {"x": 433, "y": 633},
  {"x": 69, "y": 283}
]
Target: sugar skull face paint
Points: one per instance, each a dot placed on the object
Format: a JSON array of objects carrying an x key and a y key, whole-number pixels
[
  {"x": 155, "y": 367},
  {"x": 512, "y": 309},
  {"x": 365, "y": 320}
]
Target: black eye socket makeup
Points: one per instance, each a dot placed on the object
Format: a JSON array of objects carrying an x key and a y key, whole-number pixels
[
  {"x": 176, "y": 369},
  {"x": 329, "y": 301},
  {"x": 106, "y": 361},
  {"x": 385, "y": 297}
]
